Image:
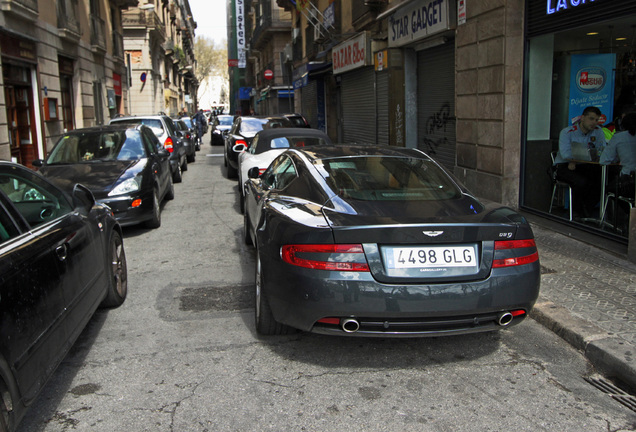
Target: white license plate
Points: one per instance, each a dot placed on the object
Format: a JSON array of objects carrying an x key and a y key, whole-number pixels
[{"x": 432, "y": 256}]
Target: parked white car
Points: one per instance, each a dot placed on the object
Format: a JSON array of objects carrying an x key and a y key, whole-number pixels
[{"x": 268, "y": 144}]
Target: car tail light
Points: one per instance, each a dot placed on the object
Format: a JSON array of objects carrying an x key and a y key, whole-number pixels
[
  {"x": 337, "y": 257},
  {"x": 512, "y": 245},
  {"x": 188, "y": 135},
  {"x": 136, "y": 203},
  {"x": 240, "y": 141},
  {"x": 169, "y": 145}
]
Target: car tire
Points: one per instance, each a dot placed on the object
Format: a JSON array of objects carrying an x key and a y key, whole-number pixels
[
  {"x": 191, "y": 158},
  {"x": 155, "y": 221},
  {"x": 241, "y": 202},
  {"x": 117, "y": 272},
  {"x": 177, "y": 177},
  {"x": 184, "y": 165},
  {"x": 263, "y": 316},
  {"x": 170, "y": 192},
  {"x": 246, "y": 229}
]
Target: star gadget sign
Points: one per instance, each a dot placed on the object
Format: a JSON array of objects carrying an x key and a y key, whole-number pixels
[{"x": 561, "y": 5}]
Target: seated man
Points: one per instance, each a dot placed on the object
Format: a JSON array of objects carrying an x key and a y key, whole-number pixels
[
  {"x": 622, "y": 149},
  {"x": 584, "y": 178}
]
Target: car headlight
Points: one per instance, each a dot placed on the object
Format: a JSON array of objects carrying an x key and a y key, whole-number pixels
[{"x": 126, "y": 187}]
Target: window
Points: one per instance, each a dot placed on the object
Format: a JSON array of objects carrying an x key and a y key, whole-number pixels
[{"x": 281, "y": 174}]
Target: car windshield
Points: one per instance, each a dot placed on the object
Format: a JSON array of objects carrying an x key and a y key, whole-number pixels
[
  {"x": 387, "y": 178},
  {"x": 187, "y": 121},
  {"x": 225, "y": 120},
  {"x": 97, "y": 146},
  {"x": 295, "y": 141},
  {"x": 297, "y": 121}
]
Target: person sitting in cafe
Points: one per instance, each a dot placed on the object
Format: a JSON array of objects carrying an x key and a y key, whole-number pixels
[
  {"x": 622, "y": 150},
  {"x": 580, "y": 144}
]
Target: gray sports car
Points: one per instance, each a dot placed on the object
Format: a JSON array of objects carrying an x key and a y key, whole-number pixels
[{"x": 382, "y": 241}]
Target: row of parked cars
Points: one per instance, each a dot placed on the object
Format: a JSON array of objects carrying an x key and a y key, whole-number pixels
[
  {"x": 368, "y": 240},
  {"x": 61, "y": 241}
]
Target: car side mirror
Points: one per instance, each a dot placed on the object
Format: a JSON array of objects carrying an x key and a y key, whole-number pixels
[
  {"x": 163, "y": 153},
  {"x": 239, "y": 148},
  {"x": 83, "y": 199},
  {"x": 253, "y": 173},
  {"x": 38, "y": 163}
]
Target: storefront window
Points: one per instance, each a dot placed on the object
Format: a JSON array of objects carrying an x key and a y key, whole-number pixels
[{"x": 592, "y": 65}]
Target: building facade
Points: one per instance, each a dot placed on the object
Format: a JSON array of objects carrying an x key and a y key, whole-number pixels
[
  {"x": 484, "y": 87},
  {"x": 62, "y": 68}
]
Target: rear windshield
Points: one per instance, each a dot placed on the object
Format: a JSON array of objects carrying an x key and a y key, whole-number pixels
[
  {"x": 385, "y": 178},
  {"x": 154, "y": 124},
  {"x": 226, "y": 120},
  {"x": 97, "y": 147}
]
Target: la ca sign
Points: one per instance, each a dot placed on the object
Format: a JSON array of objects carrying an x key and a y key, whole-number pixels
[
  {"x": 554, "y": 6},
  {"x": 418, "y": 20}
]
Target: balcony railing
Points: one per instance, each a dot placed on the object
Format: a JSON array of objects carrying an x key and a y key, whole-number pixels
[
  {"x": 98, "y": 34},
  {"x": 143, "y": 19},
  {"x": 67, "y": 22},
  {"x": 118, "y": 44}
]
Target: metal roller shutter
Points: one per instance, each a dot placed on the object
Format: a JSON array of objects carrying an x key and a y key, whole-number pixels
[
  {"x": 436, "y": 104},
  {"x": 382, "y": 99},
  {"x": 358, "y": 106}
]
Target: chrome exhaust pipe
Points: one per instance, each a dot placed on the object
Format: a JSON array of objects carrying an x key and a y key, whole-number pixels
[
  {"x": 504, "y": 318},
  {"x": 349, "y": 325}
]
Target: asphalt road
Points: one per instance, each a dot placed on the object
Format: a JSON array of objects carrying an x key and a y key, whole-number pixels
[{"x": 182, "y": 355}]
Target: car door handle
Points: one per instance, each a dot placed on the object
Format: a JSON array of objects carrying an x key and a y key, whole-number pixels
[{"x": 62, "y": 252}]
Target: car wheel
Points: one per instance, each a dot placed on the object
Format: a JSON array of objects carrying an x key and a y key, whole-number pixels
[
  {"x": 246, "y": 229},
  {"x": 191, "y": 157},
  {"x": 177, "y": 177},
  {"x": 117, "y": 272},
  {"x": 241, "y": 202},
  {"x": 265, "y": 322},
  {"x": 184, "y": 165},
  {"x": 155, "y": 221},
  {"x": 170, "y": 191}
]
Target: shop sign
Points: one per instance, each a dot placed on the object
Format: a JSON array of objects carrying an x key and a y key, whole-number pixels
[
  {"x": 240, "y": 33},
  {"x": 18, "y": 48},
  {"x": 592, "y": 84},
  {"x": 555, "y": 6},
  {"x": 329, "y": 16},
  {"x": 232, "y": 63},
  {"x": 245, "y": 92},
  {"x": 418, "y": 21},
  {"x": 351, "y": 54},
  {"x": 117, "y": 83}
]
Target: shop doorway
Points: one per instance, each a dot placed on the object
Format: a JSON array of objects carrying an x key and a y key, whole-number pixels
[{"x": 20, "y": 118}]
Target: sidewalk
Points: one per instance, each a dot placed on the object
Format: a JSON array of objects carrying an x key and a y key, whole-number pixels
[{"x": 588, "y": 297}]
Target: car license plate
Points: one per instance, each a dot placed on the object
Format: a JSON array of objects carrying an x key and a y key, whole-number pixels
[{"x": 432, "y": 257}]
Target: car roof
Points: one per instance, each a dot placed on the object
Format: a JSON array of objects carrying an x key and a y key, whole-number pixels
[
  {"x": 105, "y": 128},
  {"x": 268, "y": 134},
  {"x": 346, "y": 150}
]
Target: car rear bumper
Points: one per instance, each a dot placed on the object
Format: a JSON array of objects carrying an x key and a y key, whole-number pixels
[{"x": 300, "y": 297}]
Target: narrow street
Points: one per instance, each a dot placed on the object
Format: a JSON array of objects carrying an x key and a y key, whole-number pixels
[{"x": 182, "y": 354}]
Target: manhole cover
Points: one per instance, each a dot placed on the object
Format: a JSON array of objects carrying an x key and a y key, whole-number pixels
[{"x": 222, "y": 298}]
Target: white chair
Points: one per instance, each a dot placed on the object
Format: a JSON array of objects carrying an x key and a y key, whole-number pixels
[{"x": 559, "y": 185}]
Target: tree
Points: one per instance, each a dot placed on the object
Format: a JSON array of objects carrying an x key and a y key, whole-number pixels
[{"x": 211, "y": 71}]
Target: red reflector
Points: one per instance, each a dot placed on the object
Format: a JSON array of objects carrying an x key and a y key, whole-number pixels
[
  {"x": 261, "y": 170},
  {"x": 136, "y": 203},
  {"x": 169, "y": 145},
  {"x": 514, "y": 244},
  {"x": 509, "y": 262},
  {"x": 335, "y": 321},
  {"x": 289, "y": 255},
  {"x": 518, "y": 312}
]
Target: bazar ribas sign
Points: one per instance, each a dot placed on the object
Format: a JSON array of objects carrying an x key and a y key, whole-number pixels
[
  {"x": 351, "y": 54},
  {"x": 418, "y": 20}
]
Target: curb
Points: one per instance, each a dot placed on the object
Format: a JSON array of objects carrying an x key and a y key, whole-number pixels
[{"x": 611, "y": 355}]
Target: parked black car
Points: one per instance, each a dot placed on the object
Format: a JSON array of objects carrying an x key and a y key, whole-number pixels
[
  {"x": 189, "y": 139},
  {"x": 166, "y": 131},
  {"x": 298, "y": 120},
  {"x": 193, "y": 131},
  {"x": 124, "y": 166},
  {"x": 220, "y": 127},
  {"x": 243, "y": 130},
  {"x": 381, "y": 241},
  {"x": 62, "y": 256}
]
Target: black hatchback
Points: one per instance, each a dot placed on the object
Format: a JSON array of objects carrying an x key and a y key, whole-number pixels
[{"x": 124, "y": 166}]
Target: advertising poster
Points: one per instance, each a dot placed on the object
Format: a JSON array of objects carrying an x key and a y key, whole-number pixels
[{"x": 592, "y": 84}]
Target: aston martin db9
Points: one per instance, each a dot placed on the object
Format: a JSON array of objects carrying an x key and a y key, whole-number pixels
[{"x": 382, "y": 241}]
